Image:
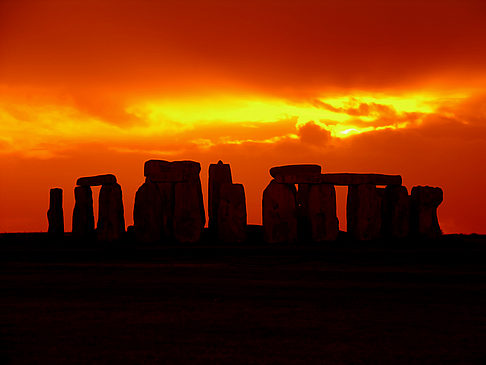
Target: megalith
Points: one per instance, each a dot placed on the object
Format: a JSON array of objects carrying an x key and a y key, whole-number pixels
[
  {"x": 321, "y": 209},
  {"x": 175, "y": 171},
  {"x": 111, "y": 216},
  {"x": 279, "y": 213},
  {"x": 169, "y": 205},
  {"x": 296, "y": 174},
  {"x": 363, "y": 212},
  {"x": 83, "y": 217},
  {"x": 188, "y": 220},
  {"x": 231, "y": 225},
  {"x": 97, "y": 180},
  {"x": 424, "y": 201},
  {"x": 304, "y": 226},
  {"x": 219, "y": 174},
  {"x": 358, "y": 179},
  {"x": 148, "y": 213},
  {"x": 55, "y": 215},
  {"x": 396, "y": 212}
]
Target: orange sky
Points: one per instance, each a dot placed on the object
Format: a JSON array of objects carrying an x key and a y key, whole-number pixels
[{"x": 90, "y": 87}]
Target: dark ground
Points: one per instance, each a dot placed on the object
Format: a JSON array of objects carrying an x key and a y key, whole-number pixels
[{"x": 381, "y": 302}]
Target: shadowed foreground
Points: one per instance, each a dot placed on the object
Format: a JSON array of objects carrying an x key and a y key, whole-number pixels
[{"x": 417, "y": 302}]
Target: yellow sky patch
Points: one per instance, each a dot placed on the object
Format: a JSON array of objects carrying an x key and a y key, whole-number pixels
[{"x": 38, "y": 129}]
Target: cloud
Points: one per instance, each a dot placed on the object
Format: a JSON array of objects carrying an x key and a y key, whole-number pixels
[{"x": 310, "y": 133}]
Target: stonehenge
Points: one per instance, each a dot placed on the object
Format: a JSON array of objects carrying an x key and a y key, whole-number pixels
[
  {"x": 396, "y": 212},
  {"x": 83, "y": 216},
  {"x": 153, "y": 212},
  {"x": 188, "y": 218},
  {"x": 226, "y": 205},
  {"x": 424, "y": 201},
  {"x": 324, "y": 223},
  {"x": 219, "y": 174},
  {"x": 97, "y": 180},
  {"x": 358, "y": 179},
  {"x": 231, "y": 224},
  {"x": 172, "y": 172},
  {"x": 363, "y": 212},
  {"x": 55, "y": 215},
  {"x": 279, "y": 213},
  {"x": 169, "y": 204},
  {"x": 298, "y": 205},
  {"x": 296, "y": 174},
  {"x": 308, "y": 212},
  {"x": 111, "y": 216}
]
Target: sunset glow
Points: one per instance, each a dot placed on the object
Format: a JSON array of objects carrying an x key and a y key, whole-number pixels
[{"x": 91, "y": 87}]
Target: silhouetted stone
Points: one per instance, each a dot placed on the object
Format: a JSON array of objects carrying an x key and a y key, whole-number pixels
[
  {"x": 232, "y": 213},
  {"x": 96, "y": 180},
  {"x": 176, "y": 171},
  {"x": 111, "y": 216},
  {"x": 153, "y": 212},
  {"x": 358, "y": 179},
  {"x": 188, "y": 211},
  {"x": 304, "y": 227},
  {"x": 219, "y": 174},
  {"x": 279, "y": 213},
  {"x": 55, "y": 215},
  {"x": 296, "y": 174},
  {"x": 322, "y": 213},
  {"x": 396, "y": 212},
  {"x": 83, "y": 217},
  {"x": 363, "y": 212},
  {"x": 424, "y": 201},
  {"x": 202, "y": 212}
]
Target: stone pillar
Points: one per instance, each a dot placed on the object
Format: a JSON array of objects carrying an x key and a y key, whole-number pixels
[
  {"x": 55, "y": 215},
  {"x": 279, "y": 213},
  {"x": 231, "y": 225},
  {"x": 424, "y": 201},
  {"x": 322, "y": 213},
  {"x": 188, "y": 219},
  {"x": 202, "y": 212},
  {"x": 169, "y": 205},
  {"x": 304, "y": 226},
  {"x": 83, "y": 217},
  {"x": 363, "y": 212},
  {"x": 153, "y": 212},
  {"x": 396, "y": 212},
  {"x": 219, "y": 174},
  {"x": 111, "y": 216}
]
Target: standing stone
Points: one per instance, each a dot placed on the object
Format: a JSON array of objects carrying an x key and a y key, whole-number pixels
[
  {"x": 166, "y": 194},
  {"x": 83, "y": 217},
  {"x": 396, "y": 212},
  {"x": 153, "y": 212},
  {"x": 279, "y": 213},
  {"x": 232, "y": 213},
  {"x": 202, "y": 212},
  {"x": 363, "y": 212},
  {"x": 111, "y": 216},
  {"x": 219, "y": 174},
  {"x": 55, "y": 215},
  {"x": 322, "y": 213},
  {"x": 304, "y": 226},
  {"x": 175, "y": 171},
  {"x": 424, "y": 202},
  {"x": 188, "y": 217}
]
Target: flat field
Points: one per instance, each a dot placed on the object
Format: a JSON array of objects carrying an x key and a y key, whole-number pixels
[{"x": 377, "y": 302}]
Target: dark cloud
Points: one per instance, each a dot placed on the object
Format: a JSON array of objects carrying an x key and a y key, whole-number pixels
[{"x": 311, "y": 133}]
